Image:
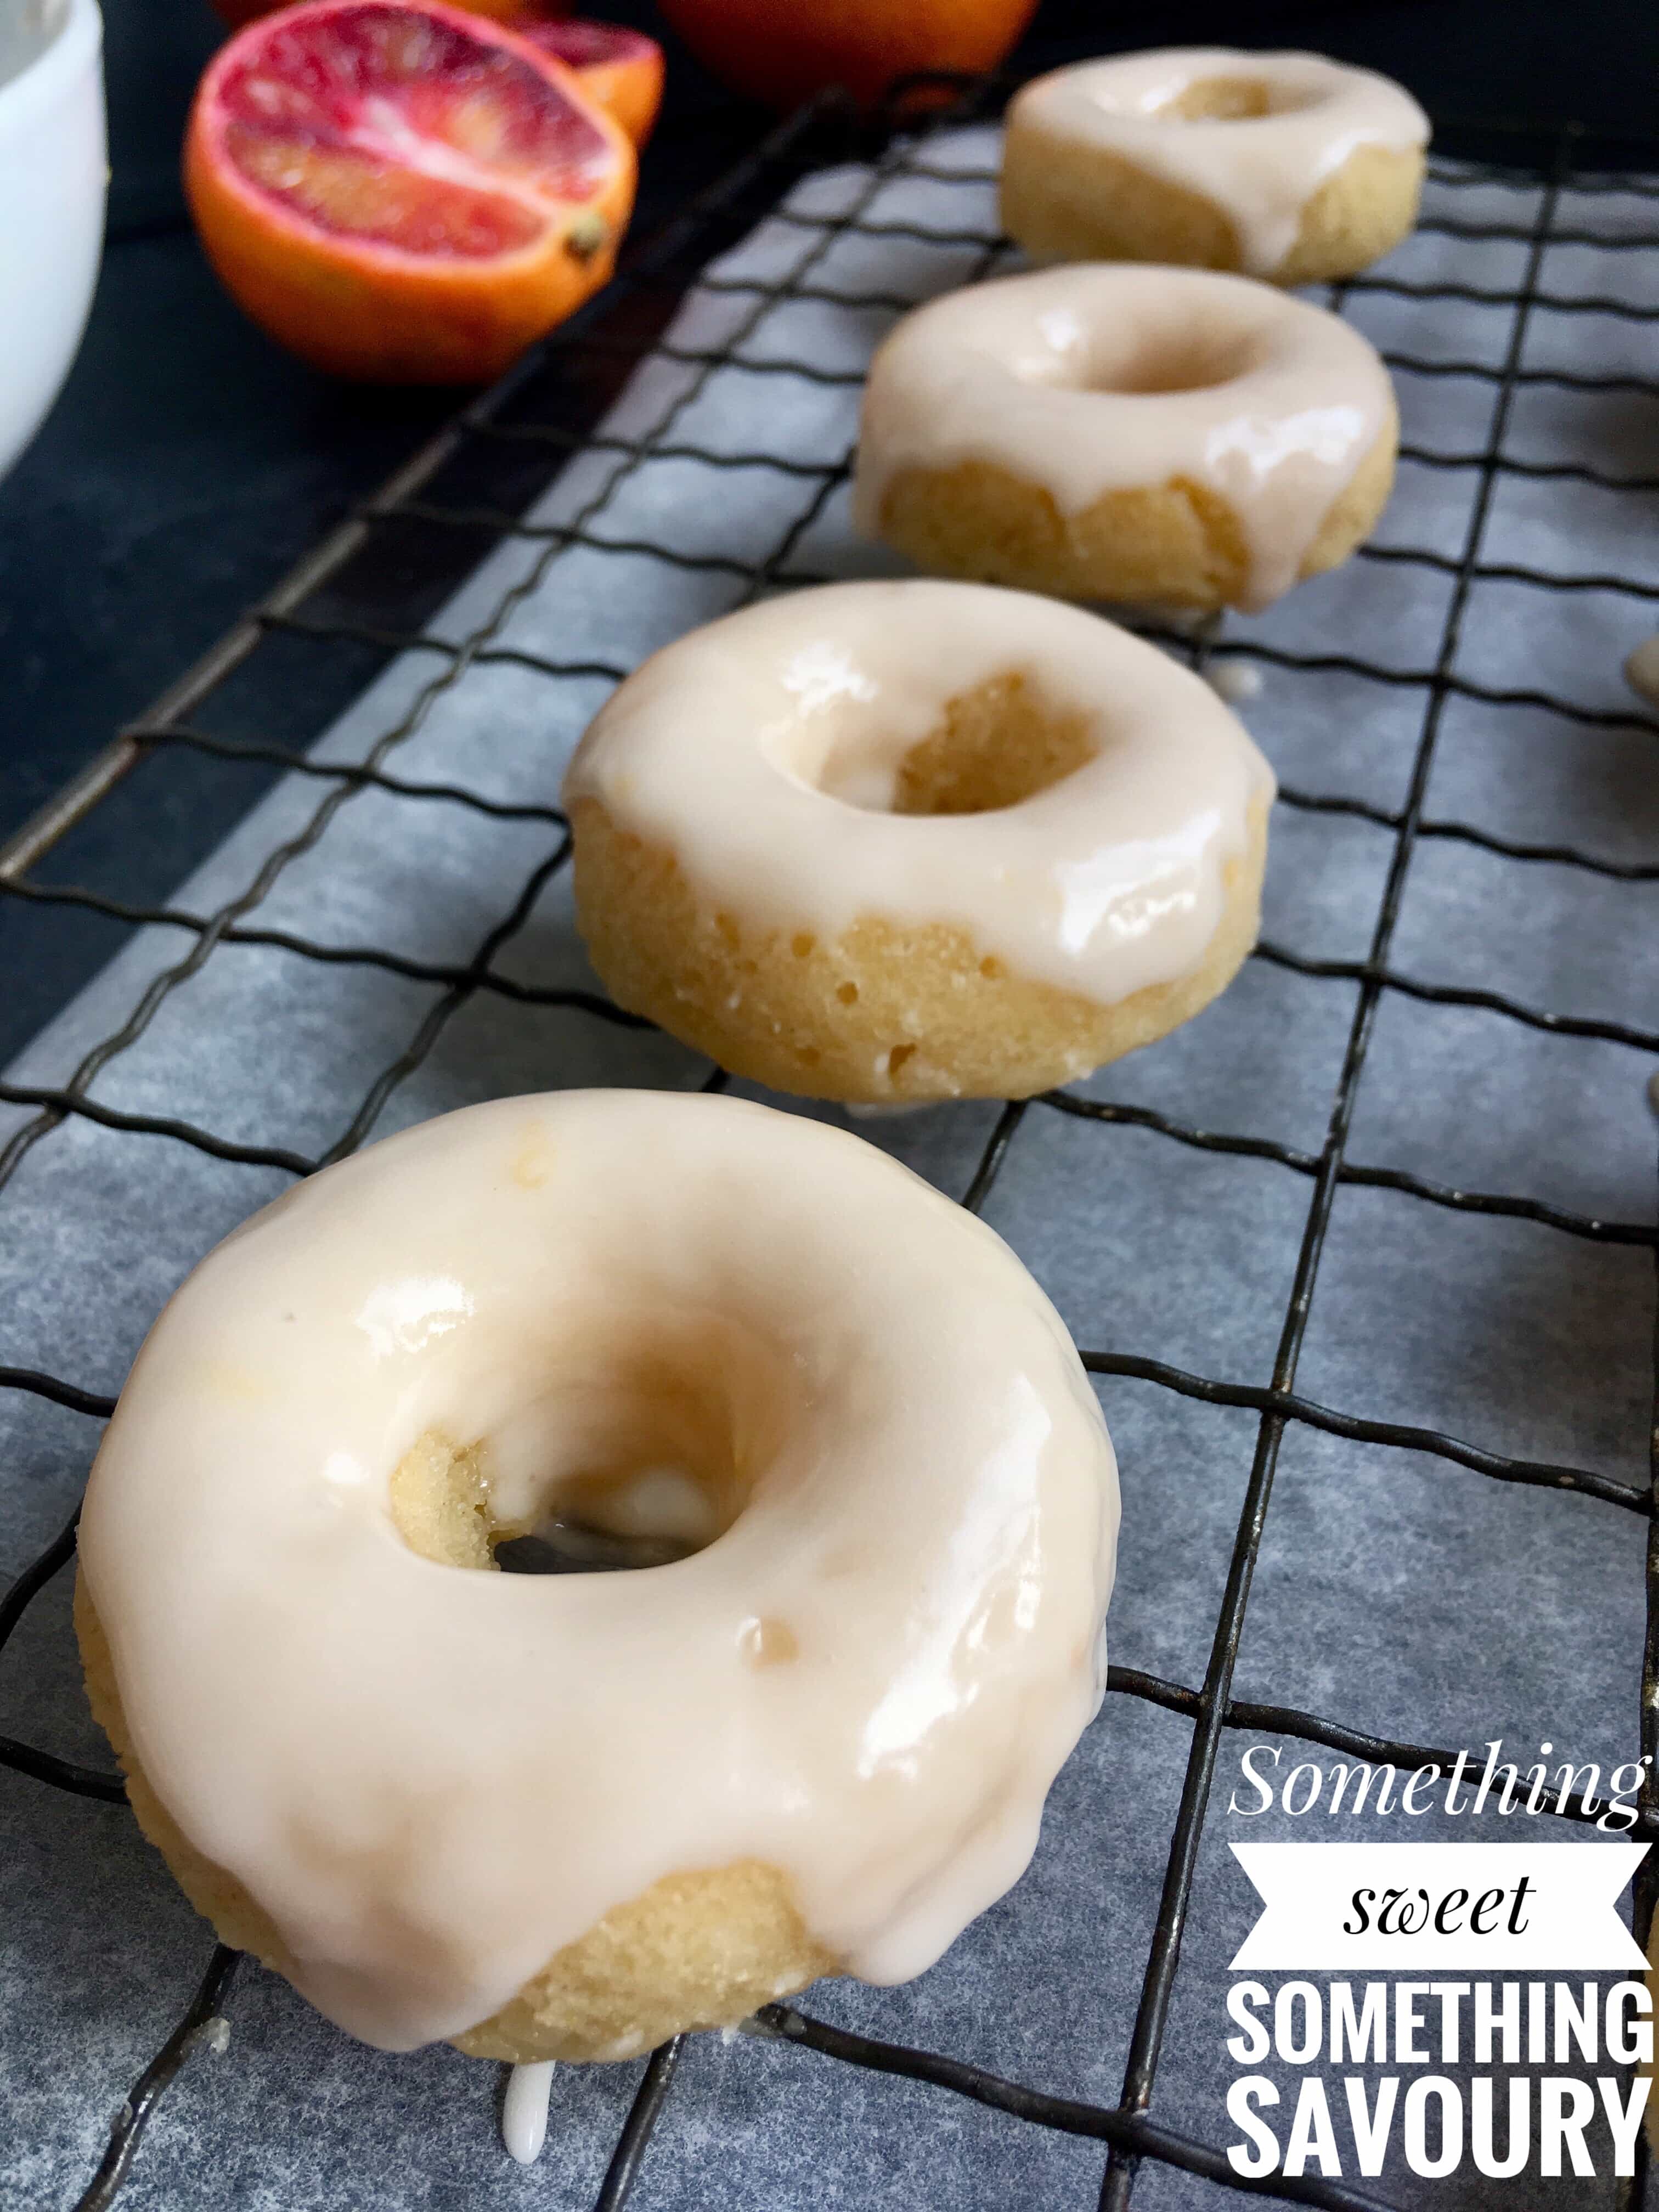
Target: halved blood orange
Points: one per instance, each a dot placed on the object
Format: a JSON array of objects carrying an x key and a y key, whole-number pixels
[
  {"x": 621, "y": 68},
  {"x": 399, "y": 191}
]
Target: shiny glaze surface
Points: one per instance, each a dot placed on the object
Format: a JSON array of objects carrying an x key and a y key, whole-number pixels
[
  {"x": 1103, "y": 378},
  {"x": 433, "y": 1779},
  {"x": 765, "y": 750},
  {"x": 524, "y": 2110},
  {"x": 1261, "y": 170}
]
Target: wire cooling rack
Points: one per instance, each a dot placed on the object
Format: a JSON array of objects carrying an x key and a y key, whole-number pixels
[{"x": 366, "y": 594}]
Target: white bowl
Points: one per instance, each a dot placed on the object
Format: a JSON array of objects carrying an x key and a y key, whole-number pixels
[{"x": 54, "y": 170}]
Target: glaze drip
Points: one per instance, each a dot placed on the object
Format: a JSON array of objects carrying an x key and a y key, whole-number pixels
[{"x": 524, "y": 2110}]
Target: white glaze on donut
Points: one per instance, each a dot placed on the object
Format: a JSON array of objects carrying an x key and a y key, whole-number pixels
[
  {"x": 1105, "y": 378},
  {"x": 1261, "y": 171},
  {"x": 764, "y": 749},
  {"x": 433, "y": 1779},
  {"x": 1235, "y": 681}
]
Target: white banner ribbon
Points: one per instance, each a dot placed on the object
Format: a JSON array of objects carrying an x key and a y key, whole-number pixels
[{"x": 1407, "y": 1906}]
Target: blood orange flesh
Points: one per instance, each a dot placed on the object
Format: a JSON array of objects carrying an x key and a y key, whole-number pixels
[
  {"x": 403, "y": 130},
  {"x": 621, "y": 68},
  {"x": 583, "y": 44}
]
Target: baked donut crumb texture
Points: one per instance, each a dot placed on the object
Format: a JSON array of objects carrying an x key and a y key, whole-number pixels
[
  {"x": 1176, "y": 545},
  {"x": 879, "y": 1014}
]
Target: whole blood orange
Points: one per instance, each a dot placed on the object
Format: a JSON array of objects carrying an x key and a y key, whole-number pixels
[
  {"x": 620, "y": 69},
  {"x": 402, "y": 191},
  {"x": 782, "y": 52}
]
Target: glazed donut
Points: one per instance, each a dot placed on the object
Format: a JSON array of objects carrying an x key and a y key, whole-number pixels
[
  {"x": 1131, "y": 435},
  {"x": 883, "y": 842},
  {"x": 564, "y": 1816},
  {"x": 1288, "y": 166}
]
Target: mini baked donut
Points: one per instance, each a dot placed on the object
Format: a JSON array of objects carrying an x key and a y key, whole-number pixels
[
  {"x": 1126, "y": 434},
  {"x": 1288, "y": 166},
  {"x": 881, "y": 841},
  {"x": 565, "y": 1816}
]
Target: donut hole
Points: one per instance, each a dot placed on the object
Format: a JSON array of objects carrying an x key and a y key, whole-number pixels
[
  {"x": 996, "y": 746},
  {"x": 1172, "y": 345},
  {"x": 1230, "y": 100},
  {"x": 644, "y": 1450},
  {"x": 1167, "y": 362},
  {"x": 1180, "y": 347}
]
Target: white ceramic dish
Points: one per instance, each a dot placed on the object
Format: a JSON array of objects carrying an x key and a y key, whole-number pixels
[{"x": 54, "y": 175}]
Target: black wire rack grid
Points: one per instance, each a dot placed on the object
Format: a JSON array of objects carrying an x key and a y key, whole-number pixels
[{"x": 489, "y": 464}]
